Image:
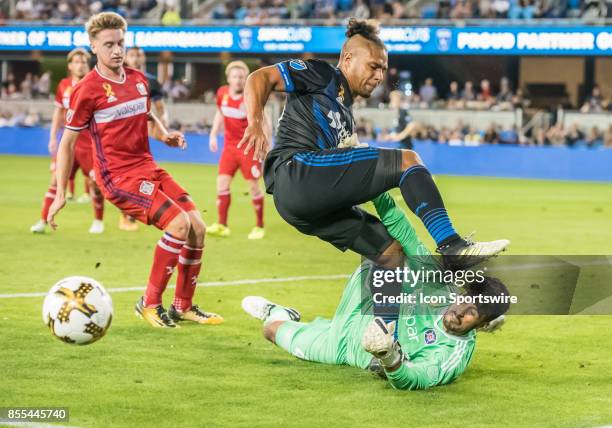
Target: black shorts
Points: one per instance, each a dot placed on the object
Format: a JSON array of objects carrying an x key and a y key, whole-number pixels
[{"x": 317, "y": 193}]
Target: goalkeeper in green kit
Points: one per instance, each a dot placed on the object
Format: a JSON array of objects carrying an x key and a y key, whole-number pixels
[{"x": 418, "y": 346}]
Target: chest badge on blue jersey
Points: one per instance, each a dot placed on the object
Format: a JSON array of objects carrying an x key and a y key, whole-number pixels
[
  {"x": 430, "y": 337},
  {"x": 297, "y": 64}
]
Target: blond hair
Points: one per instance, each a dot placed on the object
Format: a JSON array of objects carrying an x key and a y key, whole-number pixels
[
  {"x": 236, "y": 64},
  {"x": 104, "y": 21},
  {"x": 78, "y": 52}
]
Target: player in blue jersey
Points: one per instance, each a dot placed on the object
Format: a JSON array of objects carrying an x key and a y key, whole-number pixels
[{"x": 318, "y": 172}]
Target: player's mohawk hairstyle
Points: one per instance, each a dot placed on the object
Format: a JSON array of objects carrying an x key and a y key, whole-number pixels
[
  {"x": 368, "y": 28},
  {"x": 104, "y": 21}
]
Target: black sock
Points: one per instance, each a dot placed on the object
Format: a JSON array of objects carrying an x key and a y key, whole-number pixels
[{"x": 423, "y": 198}]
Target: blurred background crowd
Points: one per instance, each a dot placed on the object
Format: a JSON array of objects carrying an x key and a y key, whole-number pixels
[{"x": 173, "y": 12}]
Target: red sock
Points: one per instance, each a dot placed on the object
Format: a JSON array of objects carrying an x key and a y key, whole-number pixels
[
  {"x": 164, "y": 261},
  {"x": 71, "y": 185},
  {"x": 49, "y": 197},
  {"x": 223, "y": 202},
  {"x": 258, "y": 203},
  {"x": 190, "y": 262},
  {"x": 97, "y": 201}
]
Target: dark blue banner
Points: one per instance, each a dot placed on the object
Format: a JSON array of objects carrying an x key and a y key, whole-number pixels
[{"x": 507, "y": 40}]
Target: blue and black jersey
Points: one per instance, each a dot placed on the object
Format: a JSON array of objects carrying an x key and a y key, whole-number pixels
[{"x": 317, "y": 114}]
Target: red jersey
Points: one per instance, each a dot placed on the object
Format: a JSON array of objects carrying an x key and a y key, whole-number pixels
[
  {"x": 62, "y": 100},
  {"x": 234, "y": 115},
  {"x": 116, "y": 114}
]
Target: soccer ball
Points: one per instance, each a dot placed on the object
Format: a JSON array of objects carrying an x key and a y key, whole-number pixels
[{"x": 78, "y": 310}]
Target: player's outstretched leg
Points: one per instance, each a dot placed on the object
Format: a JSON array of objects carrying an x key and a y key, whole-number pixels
[
  {"x": 423, "y": 198},
  {"x": 189, "y": 265},
  {"x": 257, "y": 198},
  {"x": 263, "y": 309}
]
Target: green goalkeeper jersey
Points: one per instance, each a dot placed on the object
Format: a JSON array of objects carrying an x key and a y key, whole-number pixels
[{"x": 434, "y": 357}]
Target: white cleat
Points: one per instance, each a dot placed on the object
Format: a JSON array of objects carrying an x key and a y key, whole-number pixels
[
  {"x": 462, "y": 254},
  {"x": 261, "y": 308},
  {"x": 84, "y": 199},
  {"x": 39, "y": 227},
  {"x": 97, "y": 227}
]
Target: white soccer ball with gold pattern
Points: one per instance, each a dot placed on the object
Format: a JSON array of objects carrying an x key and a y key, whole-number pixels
[{"x": 78, "y": 310}]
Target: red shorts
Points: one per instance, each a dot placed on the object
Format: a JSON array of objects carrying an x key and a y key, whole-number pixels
[
  {"x": 233, "y": 158},
  {"x": 75, "y": 166},
  {"x": 83, "y": 158},
  {"x": 150, "y": 197}
]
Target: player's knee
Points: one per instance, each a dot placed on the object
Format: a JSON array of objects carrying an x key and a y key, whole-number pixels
[
  {"x": 180, "y": 226},
  {"x": 410, "y": 158},
  {"x": 254, "y": 187},
  {"x": 223, "y": 183},
  {"x": 269, "y": 330},
  {"x": 198, "y": 228},
  {"x": 392, "y": 257}
]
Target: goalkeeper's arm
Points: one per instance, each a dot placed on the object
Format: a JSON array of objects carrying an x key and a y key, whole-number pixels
[{"x": 402, "y": 374}]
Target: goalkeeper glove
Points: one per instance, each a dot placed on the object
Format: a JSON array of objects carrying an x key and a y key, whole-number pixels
[{"x": 378, "y": 340}]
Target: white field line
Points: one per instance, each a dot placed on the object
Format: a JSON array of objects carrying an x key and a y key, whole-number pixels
[
  {"x": 206, "y": 284},
  {"x": 525, "y": 266}
]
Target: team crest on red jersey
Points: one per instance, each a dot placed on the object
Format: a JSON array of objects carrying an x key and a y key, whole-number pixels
[
  {"x": 142, "y": 89},
  {"x": 69, "y": 115}
]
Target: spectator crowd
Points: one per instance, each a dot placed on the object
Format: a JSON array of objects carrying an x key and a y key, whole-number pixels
[{"x": 250, "y": 12}]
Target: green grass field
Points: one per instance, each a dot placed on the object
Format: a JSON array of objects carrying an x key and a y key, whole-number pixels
[{"x": 539, "y": 371}]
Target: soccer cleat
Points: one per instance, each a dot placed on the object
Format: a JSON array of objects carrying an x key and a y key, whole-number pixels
[
  {"x": 97, "y": 227},
  {"x": 256, "y": 233},
  {"x": 127, "y": 223},
  {"x": 39, "y": 227},
  {"x": 464, "y": 253},
  {"x": 84, "y": 199},
  {"x": 217, "y": 229},
  {"x": 196, "y": 315},
  {"x": 157, "y": 316},
  {"x": 263, "y": 309}
]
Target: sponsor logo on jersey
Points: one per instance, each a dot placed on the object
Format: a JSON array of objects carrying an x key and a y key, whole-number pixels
[
  {"x": 110, "y": 95},
  {"x": 122, "y": 111},
  {"x": 297, "y": 64},
  {"x": 146, "y": 187},
  {"x": 142, "y": 89},
  {"x": 430, "y": 337},
  {"x": 335, "y": 121}
]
